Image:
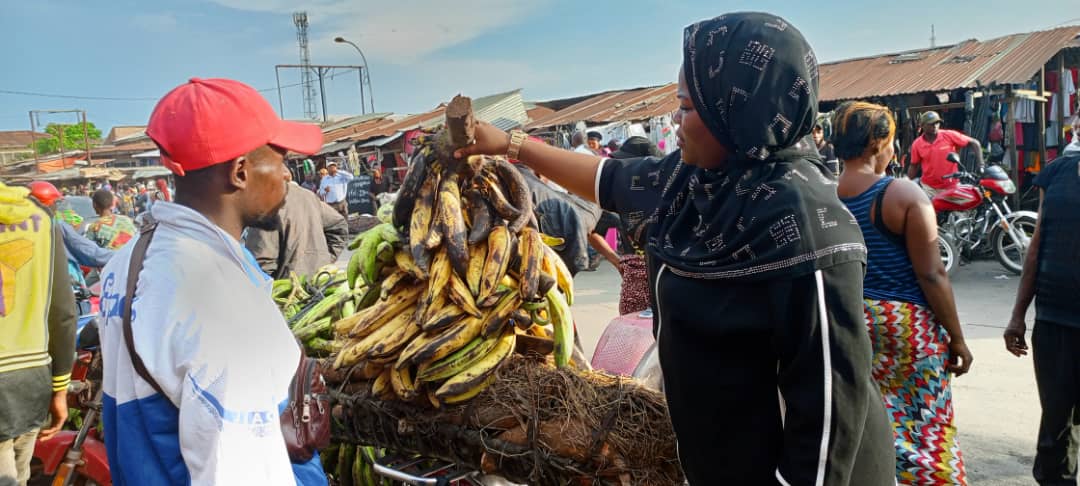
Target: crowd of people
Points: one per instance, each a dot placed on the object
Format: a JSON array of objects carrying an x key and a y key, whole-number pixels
[{"x": 807, "y": 329}]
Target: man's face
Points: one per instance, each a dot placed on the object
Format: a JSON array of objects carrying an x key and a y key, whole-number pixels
[
  {"x": 819, "y": 135},
  {"x": 263, "y": 195},
  {"x": 331, "y": 169},
  {"x": 931, "y": 128},
  {"x": 594, "y": 144}
]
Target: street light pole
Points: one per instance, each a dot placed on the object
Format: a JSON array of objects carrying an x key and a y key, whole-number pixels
[{"x": 367, "y": 72}]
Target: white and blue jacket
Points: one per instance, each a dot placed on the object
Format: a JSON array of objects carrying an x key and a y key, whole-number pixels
[{"x": 210, "y": 335}]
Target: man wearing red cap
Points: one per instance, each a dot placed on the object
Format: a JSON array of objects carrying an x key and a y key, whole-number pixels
[{"x": 198, "y": 400}]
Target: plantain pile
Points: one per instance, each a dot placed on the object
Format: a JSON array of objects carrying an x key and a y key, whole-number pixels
[
  {"x": 311, "y": 305},
  {"x": 464, "y": 279}
]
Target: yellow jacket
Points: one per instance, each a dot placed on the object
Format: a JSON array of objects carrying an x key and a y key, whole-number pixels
[{"x": 37, "y": 306}]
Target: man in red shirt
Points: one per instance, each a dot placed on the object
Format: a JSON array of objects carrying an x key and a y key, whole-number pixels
[{"x": 929, "y": 152}]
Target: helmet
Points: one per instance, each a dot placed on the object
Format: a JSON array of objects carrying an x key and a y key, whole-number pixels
[
  {"x": 45, "y": 192},
  {"x": 929, "y": 117}
]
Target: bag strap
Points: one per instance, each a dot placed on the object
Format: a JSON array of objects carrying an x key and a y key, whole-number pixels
[{"x": 138, "y": 254}]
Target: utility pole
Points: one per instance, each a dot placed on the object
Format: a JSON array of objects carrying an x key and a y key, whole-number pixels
[
  {"x": 80, "y": 116},
  {"x": 933, "y": 37}
]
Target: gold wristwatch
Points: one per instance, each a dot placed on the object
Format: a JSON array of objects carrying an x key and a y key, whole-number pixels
[{"x": 517, "y": 139}]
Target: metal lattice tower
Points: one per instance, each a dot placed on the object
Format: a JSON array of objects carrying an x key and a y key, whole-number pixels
[{"x": 307, "y": 83}]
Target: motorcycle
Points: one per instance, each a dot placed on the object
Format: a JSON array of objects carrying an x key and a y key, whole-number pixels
[
  {"x": 77, "y": 457},
  {"x": 974, "y": 217}
]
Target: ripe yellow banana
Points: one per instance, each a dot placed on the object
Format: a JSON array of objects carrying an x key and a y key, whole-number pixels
[
  {"x": 420, "y": 223},
  {"x": 382, "y": 388},
  {"x": 423, "y": 314},
  {"x": 371, "y": 318},
  {"x": 489, "y": 187},
  {"x": 387, "y": 349},
  {"x": 391, "y": 282},
  {"x": 435, "y": 346},
  {"x": 405, "y": 262},
  {"x": 443, "y": 318},
  {"x": 530, "y": 252},
  {"x": 477, "y": 255},
  {"x": 440, "y": 277},
  {"x": 555, "y": 266},
  {"x": 450, "y": 220},
  {"x": 460, "y": 295},
  {"x": 518, "y": 192},
  {"x": 437, "y": 229},
  {"x": 457, "y": 361},
  {"x": 496, "y": 263},
  {"x": 348, "y": 356},
  {"x": 498, "y": 317},
  {"x": 471, "y": 381},
  {"x": 403, "y": 383},
  {"x": 376, "y": 341}
]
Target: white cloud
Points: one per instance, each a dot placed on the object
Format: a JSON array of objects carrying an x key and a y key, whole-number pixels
[
  {"x": 402, "y": 31},
  {"x": 155, "y": 22}
]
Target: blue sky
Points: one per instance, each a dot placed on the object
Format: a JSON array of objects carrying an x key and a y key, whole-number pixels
[{"x": 422, "y": 52}]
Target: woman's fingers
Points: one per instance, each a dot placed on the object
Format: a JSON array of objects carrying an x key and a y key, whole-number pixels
[{"x": 490, "y": 140}]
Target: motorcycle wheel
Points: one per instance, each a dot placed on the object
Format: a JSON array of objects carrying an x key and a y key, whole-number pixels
[
  {"x": 950, "y": 255},
  {"x": 1006, "y": 249}
]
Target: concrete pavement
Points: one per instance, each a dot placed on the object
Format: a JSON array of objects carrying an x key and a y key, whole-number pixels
[{"x": 996, "y": 404}]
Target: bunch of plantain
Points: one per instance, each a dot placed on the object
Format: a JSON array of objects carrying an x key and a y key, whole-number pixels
[
  {"x": 447, "y": 288},
  {"x": 352, "y": 465}
]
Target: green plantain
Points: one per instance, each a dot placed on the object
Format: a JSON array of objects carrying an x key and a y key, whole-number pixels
[{"x": 474, "y": 379}]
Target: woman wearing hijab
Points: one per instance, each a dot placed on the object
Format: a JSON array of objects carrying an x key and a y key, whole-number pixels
[
  {"x": 910, "y": 311},
  {"x": 755, "y": 265}
]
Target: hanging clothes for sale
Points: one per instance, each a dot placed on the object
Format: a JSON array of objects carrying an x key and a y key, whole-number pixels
[{"x": 1054, "y": 87}]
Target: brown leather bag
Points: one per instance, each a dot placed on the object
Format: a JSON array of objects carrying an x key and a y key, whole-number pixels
[{"x": 305, "y": 422}]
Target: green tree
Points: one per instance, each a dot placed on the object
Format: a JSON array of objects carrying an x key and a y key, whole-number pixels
[{"x": 72, "y": 136}]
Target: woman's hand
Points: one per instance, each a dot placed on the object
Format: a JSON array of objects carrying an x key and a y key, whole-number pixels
[
  {"x": 959, "y": 357},
  {"x": 489, "y": 141}
]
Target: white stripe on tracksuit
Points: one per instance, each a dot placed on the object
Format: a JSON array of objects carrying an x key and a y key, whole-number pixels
[{"x": 826, "y": 422}]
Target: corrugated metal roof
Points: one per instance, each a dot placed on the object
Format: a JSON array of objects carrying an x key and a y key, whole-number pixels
[
  {"x": 629, "y": 105},
  {"x": 1012, "y": 59},
  {"x": 504, "y": 110},
  {"x": 20, "y": 138},
  {"x": 348, "y": 122}
]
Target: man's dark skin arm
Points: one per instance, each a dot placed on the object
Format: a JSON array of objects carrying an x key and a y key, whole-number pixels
[
  {"x": 1015, "y": 342},
  {"x": 62, "y": 323},
  {"x": 913, "y": 171},
  {"x": 335, "y": 229},
  {"x": 601, "y": 246},
  {"x": 977, "y": 149}
]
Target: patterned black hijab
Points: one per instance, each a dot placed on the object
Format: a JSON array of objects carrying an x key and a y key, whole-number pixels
[{"x": 772, "y": 211}]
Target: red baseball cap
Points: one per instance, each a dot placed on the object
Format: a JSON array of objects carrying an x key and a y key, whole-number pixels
[{"x": 209, "y": 121}]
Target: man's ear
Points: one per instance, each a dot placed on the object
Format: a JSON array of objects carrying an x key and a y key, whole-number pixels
[{"x": 238, "y": 172}]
